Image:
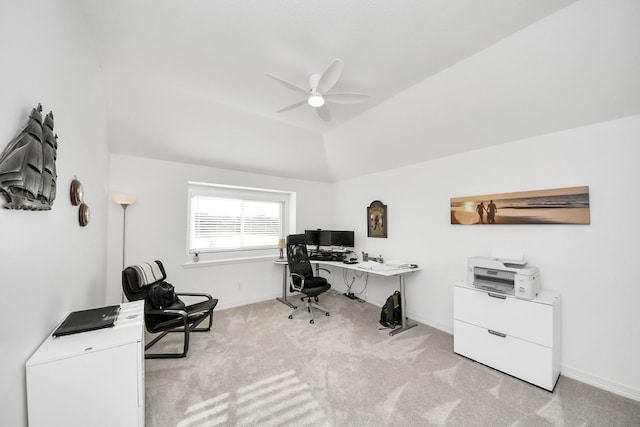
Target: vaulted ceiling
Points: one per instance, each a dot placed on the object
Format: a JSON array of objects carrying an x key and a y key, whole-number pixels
[{"x": 186, "y": 80}]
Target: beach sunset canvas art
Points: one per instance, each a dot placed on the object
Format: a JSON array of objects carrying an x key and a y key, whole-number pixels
[{"x": 555, "y": 206}]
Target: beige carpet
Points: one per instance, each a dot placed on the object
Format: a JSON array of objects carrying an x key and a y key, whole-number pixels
[{"x": 258, "y": 368}]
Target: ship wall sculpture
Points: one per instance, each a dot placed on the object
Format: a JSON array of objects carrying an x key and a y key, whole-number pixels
[{"x": 28, "y": 165}]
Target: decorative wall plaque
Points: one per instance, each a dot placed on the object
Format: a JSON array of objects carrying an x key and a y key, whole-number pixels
[
  {"x": 83, "y": 214},
  {"x": 28, "y": 165},
  {"x": 377, "y": 219},
  {"x": 76, "y": 192}
]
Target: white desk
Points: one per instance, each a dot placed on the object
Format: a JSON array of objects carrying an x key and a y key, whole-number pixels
[{"x": 380, "y": 270}]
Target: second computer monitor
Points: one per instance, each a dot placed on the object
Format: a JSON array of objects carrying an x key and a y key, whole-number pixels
[
  {"x": 313, "y": 237},
  {"x": 344, "y": 239},
  {"x": 324, "y": 237}
]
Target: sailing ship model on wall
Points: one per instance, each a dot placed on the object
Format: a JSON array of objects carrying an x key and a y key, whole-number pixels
[{"x": 28, "y": 165}]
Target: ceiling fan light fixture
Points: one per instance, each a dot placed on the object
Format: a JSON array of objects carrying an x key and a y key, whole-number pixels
[
  {"x": 319, "y": 91},
  {"x": 316, "y": 100}
]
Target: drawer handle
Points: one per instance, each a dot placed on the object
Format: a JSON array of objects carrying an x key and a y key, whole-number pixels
[
  {"x": 496, "y": 333},
  {"x": 497, "y": 296}
]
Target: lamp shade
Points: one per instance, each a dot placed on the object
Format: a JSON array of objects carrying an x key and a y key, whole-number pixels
[
  {"x": 281, "y": 244},
  {"x": 124, "y": 199}
]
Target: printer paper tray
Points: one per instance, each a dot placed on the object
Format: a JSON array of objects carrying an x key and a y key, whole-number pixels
[{"x": 494, "y": 286}]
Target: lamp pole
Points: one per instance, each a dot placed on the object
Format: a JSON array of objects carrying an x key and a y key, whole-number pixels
[
  {"x": 124, "y": 200},
  {"x": 124, "y": 228}
]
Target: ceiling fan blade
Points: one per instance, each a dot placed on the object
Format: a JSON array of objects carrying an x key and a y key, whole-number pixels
[
  {"x": 292, "y": 106},
  {"x": 324, "y": 113},
  {"x": 346, "y": 98},
  {"x": 330, "y": 76},
  {"x": 287, "y": 84}
]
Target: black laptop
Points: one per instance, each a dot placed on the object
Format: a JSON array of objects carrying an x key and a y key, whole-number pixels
[{"x": 88, "y": 320}]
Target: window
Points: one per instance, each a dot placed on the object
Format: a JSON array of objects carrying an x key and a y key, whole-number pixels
[{"x": 229, "y": 219}]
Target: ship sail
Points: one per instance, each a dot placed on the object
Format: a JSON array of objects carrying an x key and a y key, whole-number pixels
[
  {"x": 27, "y": 165},
  {"x": 49, "y": 151}
]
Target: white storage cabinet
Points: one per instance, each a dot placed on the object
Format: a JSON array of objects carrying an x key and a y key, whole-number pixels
[
  {"x": 516, "y": 336},
  {"x": 91, "y": 378}
]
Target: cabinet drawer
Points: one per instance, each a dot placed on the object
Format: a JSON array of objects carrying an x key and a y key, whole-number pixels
[
  {"x": 99, "y": 388},
  {"x": 522, "y": 359},
  {"x": 524, "y": 319}
]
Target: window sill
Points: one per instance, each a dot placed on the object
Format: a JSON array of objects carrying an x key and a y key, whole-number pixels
[{"x": 228, "y": 261}]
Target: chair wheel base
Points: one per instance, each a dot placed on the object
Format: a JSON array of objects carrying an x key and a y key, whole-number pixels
[
  {"x": 327, "y": 314},
  {"x": 311, "y": 321},
  {"x": 290, "y": 316}
]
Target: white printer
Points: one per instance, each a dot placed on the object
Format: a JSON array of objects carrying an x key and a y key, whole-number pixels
[{"x": 498, "y": 275}]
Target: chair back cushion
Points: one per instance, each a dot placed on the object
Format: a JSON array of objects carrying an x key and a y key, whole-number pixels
[
  {"x": 149, "y": 273},
  {"x": 136, "y": 279},
  {"x": 297, "y": 256}
]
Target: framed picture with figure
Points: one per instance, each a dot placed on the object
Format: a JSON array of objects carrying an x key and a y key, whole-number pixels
[
  {"x": 377, "y": 219},
  {"x": 568, "y": 205}
]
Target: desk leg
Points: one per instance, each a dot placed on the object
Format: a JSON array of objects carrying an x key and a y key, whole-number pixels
[
  {"x": 403, "y": 296},
  {"x": 283, "y": 299}
]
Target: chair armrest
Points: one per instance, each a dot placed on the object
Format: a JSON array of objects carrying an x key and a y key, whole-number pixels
[
  {"x": 168, "y": 312},
  {"x": 301, "y": 277},
  {"x": 182, "y": 313},
  {"x": 194, "y": 294}
]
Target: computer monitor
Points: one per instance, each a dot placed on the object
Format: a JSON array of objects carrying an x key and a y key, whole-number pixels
[
  {"x": 324, "y": 237},
  {"x": 344, "y": 239},
  {"x": 313, "y": 237}
]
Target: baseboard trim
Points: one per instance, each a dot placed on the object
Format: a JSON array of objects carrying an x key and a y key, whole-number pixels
[
  {"x": 604, "y": 384},
  {"x": 430, "y": 322},
  {"x": 245, "y": 301},
  {"x": 413, "y": 316}
]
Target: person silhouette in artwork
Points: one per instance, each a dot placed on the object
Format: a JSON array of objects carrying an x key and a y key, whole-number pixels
[
  {"x": 377, "y": 222},
  {"x": 491, "y": 212},
  {"x": 480, "y": 209}
]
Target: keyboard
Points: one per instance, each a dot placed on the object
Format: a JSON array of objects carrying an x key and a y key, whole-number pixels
[{"x": 326, "y": 257}]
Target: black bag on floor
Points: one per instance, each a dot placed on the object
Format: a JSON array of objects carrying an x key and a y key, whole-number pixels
[{"x": 391, "y": 314}]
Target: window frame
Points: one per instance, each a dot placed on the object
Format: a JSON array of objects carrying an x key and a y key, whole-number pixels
[{"x": 287, "y": 198}]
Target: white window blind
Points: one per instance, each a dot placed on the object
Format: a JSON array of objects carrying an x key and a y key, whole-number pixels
[{"x": 223, "y": 219}]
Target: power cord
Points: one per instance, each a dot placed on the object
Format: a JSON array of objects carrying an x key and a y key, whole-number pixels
[{"x": 353, "y": 295}]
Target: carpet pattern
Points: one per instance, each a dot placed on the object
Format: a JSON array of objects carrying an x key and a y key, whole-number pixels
[{"x": 259, "y": 368}]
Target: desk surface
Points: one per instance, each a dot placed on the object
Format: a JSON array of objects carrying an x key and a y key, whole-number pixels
[{"x": 369, "y": 267}]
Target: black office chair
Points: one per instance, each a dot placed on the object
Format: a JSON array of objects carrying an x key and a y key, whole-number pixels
[
  {"x": 301, "y": 277},
  {"x": 136, "y": 281}
]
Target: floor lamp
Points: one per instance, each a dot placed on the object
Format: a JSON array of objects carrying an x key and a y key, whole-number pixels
[{"x": 124, "y": 200}]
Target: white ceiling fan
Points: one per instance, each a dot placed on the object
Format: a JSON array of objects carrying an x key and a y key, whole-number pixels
[{"x": 317, "y": 93}]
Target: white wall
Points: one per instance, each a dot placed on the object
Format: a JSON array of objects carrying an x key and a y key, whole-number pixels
[
  {"x": 49, "y": 264},
  {"x": 157, "y": 227},
  {"x": 592, "y": 266}
]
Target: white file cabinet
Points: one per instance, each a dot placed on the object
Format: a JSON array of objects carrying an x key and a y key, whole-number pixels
[
  {"x": 516, "y": 336},
  {"x": 91, "y": 378}
]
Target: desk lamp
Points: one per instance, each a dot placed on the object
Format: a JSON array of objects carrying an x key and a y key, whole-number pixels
[{"x": 281, "y": 245}]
